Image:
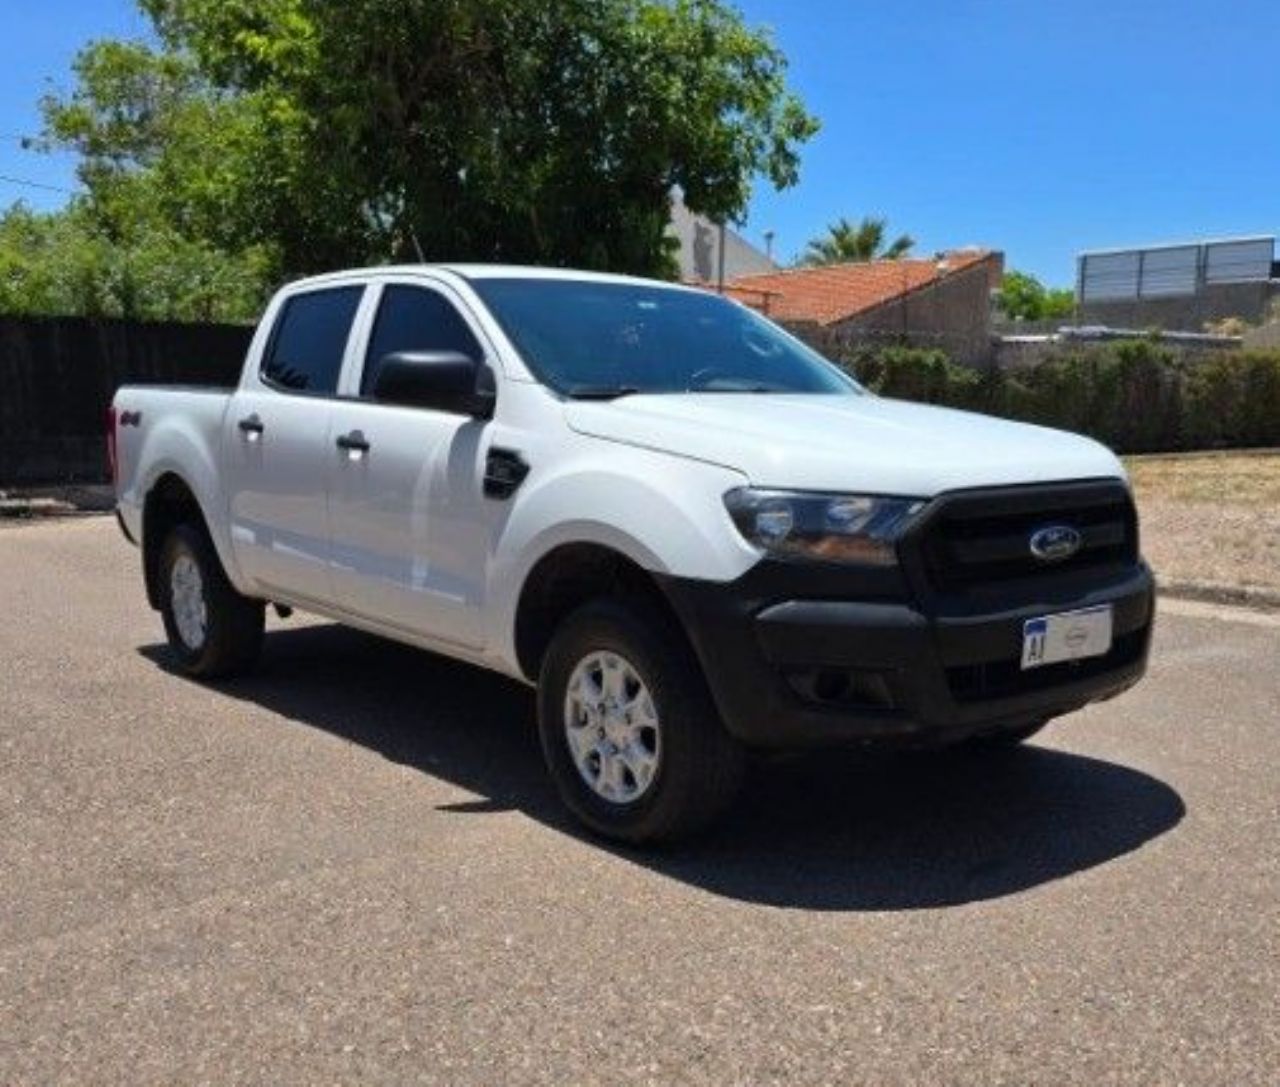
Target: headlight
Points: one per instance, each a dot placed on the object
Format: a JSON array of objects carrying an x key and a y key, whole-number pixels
[{"x": 829, "y": 527}]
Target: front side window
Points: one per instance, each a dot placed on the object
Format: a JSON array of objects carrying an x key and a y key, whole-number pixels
[
  {"x": 415, "y": 319},
  {"x": 600, "y": 338},
  {"x": 310, "y": 338}
]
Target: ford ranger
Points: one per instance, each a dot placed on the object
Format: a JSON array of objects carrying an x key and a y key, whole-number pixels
[{"x": 690, "y": 532}]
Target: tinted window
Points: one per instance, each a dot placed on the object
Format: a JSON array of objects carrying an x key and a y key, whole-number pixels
[
  {"x": 414, "y": 319},
  {"x": 587, "y": 337},
  {"x": 310, "y": 337}
]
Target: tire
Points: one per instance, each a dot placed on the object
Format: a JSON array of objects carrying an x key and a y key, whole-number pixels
[
  {"x": 194, "y": 586},
  {"x": 1005, "y": 739},
  {"x": 695, "y": 766}
]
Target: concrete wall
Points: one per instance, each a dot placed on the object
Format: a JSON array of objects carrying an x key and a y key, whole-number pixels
[
  {"x": 1020, "y": 353},
  {"x": 58, "y": 375},
  {"x": 1186, "y": 313},
  {"x": 952, "y": 314},
  {"x": 699, "y": 253}
]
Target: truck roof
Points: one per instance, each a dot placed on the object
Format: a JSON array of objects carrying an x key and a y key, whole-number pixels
[{"x": 489, "y": 271}]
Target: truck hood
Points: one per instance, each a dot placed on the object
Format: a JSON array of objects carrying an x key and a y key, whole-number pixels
[{"x": 844, "y": 443}]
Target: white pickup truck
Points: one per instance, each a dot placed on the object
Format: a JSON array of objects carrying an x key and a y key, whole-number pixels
[{"x": 693, "y": 534}]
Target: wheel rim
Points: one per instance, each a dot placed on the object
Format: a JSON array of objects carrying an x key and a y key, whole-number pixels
[
  {"x": 186, "y": 599},
  {"x": 612, "y": 726}
]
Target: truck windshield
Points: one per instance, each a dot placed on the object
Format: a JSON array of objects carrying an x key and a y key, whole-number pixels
[{"x": 599, "y": 340}]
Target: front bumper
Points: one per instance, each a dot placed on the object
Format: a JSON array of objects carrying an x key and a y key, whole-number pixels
[{"x": 794, "y": 660}]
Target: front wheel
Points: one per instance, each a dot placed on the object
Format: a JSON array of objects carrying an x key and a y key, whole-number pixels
[
  {"x": 213, "y": 630},
  {"x": 629, "y": 732}
]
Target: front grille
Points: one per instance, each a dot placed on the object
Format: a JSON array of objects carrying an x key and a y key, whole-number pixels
[
  {"x": 980, "y": 537},
  {"x": 1006, "y": 678}
]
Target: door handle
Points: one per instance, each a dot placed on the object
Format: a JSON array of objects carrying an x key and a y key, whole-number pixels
[
  {"x": 251, "y": 424},
  {"x": 353, "y": 443}
]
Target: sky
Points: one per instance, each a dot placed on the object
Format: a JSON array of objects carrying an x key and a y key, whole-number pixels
[{"x": 1033, "y": 127}]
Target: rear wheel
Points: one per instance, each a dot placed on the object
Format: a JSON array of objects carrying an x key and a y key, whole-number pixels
[
  {"x": 629, "y": 731},
  {"x": 213, "y": 630}
]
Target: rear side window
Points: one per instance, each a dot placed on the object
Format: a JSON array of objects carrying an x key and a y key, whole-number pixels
[
  {"x": 310, "y": 337},
  {"x": 415, "y": 319}
]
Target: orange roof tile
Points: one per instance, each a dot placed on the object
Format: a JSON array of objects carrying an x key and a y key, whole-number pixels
[{"x": 835, "y": 292}]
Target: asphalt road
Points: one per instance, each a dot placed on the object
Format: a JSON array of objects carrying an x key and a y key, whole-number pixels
[{"x": 350, "y": 867}]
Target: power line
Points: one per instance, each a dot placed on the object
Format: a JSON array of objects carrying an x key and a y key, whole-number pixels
[{"x": 36, "y": 184}]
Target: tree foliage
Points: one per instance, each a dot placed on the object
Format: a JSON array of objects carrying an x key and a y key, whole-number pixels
[
  {"x": 1022, "y": 297},
  {"x": 846, "y": 242},
  {"x": 312, "y": 134},
  {"x": 67, "y": 263}
]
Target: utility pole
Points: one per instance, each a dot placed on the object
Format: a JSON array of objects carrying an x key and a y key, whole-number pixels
[{"x": 720, "y": 262}]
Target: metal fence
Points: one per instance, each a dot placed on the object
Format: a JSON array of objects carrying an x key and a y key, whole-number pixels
[{"x": 1165, "y": 271}]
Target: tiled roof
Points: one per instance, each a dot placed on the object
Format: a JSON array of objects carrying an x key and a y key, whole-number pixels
[{"x": 835, "y": 292}]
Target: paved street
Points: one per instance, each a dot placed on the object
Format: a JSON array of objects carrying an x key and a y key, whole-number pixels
[{"x": 350, "y": 867}]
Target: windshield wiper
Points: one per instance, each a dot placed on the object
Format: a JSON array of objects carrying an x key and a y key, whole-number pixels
[
  {"x": 600, "y": 392},
  {"x": 736, "y": 387}
]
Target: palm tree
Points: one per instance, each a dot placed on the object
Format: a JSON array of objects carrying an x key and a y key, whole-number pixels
[{"x": 845, "y": 242}]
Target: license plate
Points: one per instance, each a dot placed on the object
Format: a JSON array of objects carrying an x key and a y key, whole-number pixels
[{"x": 1067, "y": 636}]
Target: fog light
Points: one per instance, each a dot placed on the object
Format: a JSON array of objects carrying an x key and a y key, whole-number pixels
[{"x": 842, "y": 688}]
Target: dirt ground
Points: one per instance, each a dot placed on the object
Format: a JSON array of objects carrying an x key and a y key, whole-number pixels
[{"x": 1211, "y": 517}]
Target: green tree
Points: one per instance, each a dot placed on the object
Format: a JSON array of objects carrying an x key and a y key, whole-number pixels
[
  {"x": 1023, "y": 297},
  {"x": 846, "y": 242},
  {"x": 130, "y": 246},
  {"x": 66, "y": 263},
  {"x": 324, "y": 134}
]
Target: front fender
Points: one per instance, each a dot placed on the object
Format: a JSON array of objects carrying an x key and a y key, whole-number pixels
[{"x": 663, "y": 513}]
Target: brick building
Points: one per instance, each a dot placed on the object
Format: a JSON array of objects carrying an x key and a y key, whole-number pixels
[{"x": 942, "y": 302}]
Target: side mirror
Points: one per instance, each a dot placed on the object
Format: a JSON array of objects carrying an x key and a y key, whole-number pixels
[{"x": 444, "y": 380}]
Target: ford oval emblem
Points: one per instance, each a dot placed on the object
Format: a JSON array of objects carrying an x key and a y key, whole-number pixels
[{"x": 1055, "y": 543}]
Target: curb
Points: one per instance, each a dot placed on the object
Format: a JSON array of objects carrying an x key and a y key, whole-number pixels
[
  {"x": 29, "y": 509},
  {"x": 1258, "y": 597},
  {"x": 30, "y": 504}
]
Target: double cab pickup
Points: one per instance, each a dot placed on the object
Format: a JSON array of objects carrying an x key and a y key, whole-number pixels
[{"x": 692, "y": 534}]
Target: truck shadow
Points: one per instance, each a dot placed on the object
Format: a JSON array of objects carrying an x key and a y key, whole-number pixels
[{"x": 836, "y": 831}]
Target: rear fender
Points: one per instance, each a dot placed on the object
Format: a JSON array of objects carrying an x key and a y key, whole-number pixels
[{"x": 170, "y": 449}]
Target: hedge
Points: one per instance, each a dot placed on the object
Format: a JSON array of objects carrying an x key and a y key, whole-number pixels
[{"x": 1136, "y": 396}]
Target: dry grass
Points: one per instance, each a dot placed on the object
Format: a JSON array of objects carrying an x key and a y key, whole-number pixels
[{"x": 1211, "y": 517}]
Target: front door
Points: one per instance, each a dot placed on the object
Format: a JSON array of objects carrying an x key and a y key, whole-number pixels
[
  {"x": 409, "y": 527},
  {"x": 276, "y": 448}
]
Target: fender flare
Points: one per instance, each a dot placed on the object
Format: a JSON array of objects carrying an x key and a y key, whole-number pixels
[
  {"x": 196, "y": 469},
  {"x": 636, "y": 516}
]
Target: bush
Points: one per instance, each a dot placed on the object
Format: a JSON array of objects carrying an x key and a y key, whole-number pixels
[{"x": 1136, "y": 396}]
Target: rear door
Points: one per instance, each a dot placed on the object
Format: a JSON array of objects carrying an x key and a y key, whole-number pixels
[
  {"x": 408, "y": 521},
  {"x": 278, "y": 452}
]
